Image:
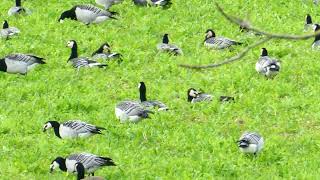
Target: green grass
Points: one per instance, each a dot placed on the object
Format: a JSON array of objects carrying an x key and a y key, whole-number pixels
[{"x": 188, "y": 142}]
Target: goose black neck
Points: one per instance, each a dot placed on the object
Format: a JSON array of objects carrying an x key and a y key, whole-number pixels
[
  {"x": 143, "y": 93},
  {"x": 308, "y": 19},
  {"x": 56, "y": 127},
  {"x": 317, "y": 29},
  {"x": 189, "y": 98},
  {"x": 62, "y": 163},
  {"x": 100, "y": 50},
  {"x": 74, "y": 51},
  {"x": 264, "y": 52},
  {"x": 18, "y": 3},
  {"x": 5, "y": 25},
  {"x": 80, "y": 171},
  {"x": 3, "y": 65},
  {"x": 165, "y": 39}
]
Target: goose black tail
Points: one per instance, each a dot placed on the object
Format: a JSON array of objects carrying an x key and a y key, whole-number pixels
[{"x": 102, "y": 65}]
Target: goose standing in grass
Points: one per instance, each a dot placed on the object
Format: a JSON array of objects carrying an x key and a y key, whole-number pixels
[
  {"x": 267, "y": 66},
  {"x": 251, "y": 142},
  {"x": 18, "y": 9},
  {"x": 19, "y": 63},
  {"x": 78, "y": 62},
  {"x": 316, "y": 42},
  {"x": 90, "y": 162},
  {"x": 211, "y": 41},
  {"x": 87, "y": 14},
  {"x": 196, "y": 96},
  {"x": 131, "y": 111},
  {"x": 162, "y": 3},
  {"x": 104, "y": 52},
  {"x": 170, "y": 48},
  {"x": 72, "y": 129},
  {"x": 308, "y": 25},
  {"x": 149, "y": 104},
  {"x": 7, "y": 31},
  {"x": 81, "y": 171},
  {"x": 108, "y": 3}
]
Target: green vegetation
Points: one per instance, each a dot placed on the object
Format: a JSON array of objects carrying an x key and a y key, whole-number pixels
[{"x": 190, "y": 141}]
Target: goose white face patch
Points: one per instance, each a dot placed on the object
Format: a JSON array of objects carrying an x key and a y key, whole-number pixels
[
  {"x": 53, "y": 166},
  {"x": 70, "y": 44},
  {"x": 105, "y": 47},
  {"x": 47, "y": 126},
  {"x": 209, "y": 34},
  {"x": 193, "y": 93}
]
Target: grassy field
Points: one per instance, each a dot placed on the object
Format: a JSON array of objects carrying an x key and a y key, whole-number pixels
[{"x": 190, "y": 141}]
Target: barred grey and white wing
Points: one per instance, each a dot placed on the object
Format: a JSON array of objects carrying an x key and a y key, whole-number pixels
[
  {"x": 171, "y": 48},
  {"x": 202, "y": 97},
  {"x": 85, "y": 62},
  {"x": 265, "y": 64},
  {"x": 152, "y": 104},
  {"x": 82, "y": 127},
  {"x": 130, "y": 110},
  {"x": 106, "y": 56},
  {"x": 252, "y": 138},
  {"x": 108, "y": 3},
  {"x": 11, "y": 31},
  {"x": 19, "y": 10},
  {"x": 219, "y": 42},
  {"x": 27, "y": 58},
  {"x": 91, "y": 14}
]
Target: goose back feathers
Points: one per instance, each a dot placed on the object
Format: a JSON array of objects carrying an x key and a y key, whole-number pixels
[
  {"x": 18, "y": 9},
  {"x": 130, "y": 111},
  {"x": 147, "y": 103},
  {"x": 267, "y": 66},
  {"x": 169, "y": 48},
  {"x": 211, "y": 41},
  {"x": 251, "y": 142}
]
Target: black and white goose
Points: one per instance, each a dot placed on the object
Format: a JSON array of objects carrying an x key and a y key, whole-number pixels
[
  {"x": 196, "y": 96},
  {"x": 316, "y": 42},
  {"x": 78, "y": 62},
  {"x": 131, "y": 111},
  {"x": 251, "y": 142},
  {"x": 104, "y": 52},
  {"x": 72, "y": 129},
  {"x": 170, "y": 48},
  {"x": 147, "y": 103},
  {"x": 81, "y": 172},
  {"x": 87, "y": 14},
  {"x": 19, "y": 63},
  {"x": 267, "y": 66},
  {"x": 211, "y": 41},
  {"x": 18, "y": 9},
  {"x": 108, "y": 3},
  {"x": 161, "y": 3},
  {"x": 90, "y": 162},
  {"x": 7, "y": 31},
  {"x": 308, "y": 25}
]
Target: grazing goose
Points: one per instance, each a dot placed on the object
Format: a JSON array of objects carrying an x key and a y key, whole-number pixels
[
  {"x": 130, "y": 111},
  {"x": 7, "y": 31},
  {"x": 170, "y": 48},
  {"x": 316, "y": 42},
  {"x": 267, "y": 66},
  {"x": 211, "y": 41},
  {"x": 149, "y": 104},
  {"x": 250, "y": 142},
  {"x": 195, "y": 96},
  {"x": 72, "y": 129},
  {"x": 104, "y": 52},
  {"x": 308, "y": 25},
  {"x": 81, "y": 170},
  {"x": 18, "y": 9},
  {"x": 19, "y": 63},
  {"x": 87, "y": 14},
  {"x": 161, "y": 3},
  {"x": 90, "y": 162},
  {"x": 78, "y": 62},
  {"x": 108, "y": 3}
]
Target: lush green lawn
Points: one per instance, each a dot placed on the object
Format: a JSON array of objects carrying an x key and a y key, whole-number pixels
[{"x": 188, "y": 142}]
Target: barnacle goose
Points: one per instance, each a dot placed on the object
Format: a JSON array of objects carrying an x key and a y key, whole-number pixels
[
  {"x": 308, "y": 25},
  {"x": 211, "y": 41},
  {"x": 18, "y": 9},
  {"x": 90, "y": 162},
  {"x": 104, "y": 52},
  {"x": 250, "y": 142},
  {"x": 19, "y": 63},
  {"x": 316, "y": 42},
  {"x": 267, "y": 66},
  {"x": 80, "y": 173},
  {"x": 7, "y": 31},
  {"x": 196, "y": 96},
  {"x": 166, "y": 47},
  {"x": 78, "y": 62},
  {"x": 131, "y": 111},
  {"x": 147, "y": 103},
  {"x": 162, "y": 3},
  {"x": 87, "y": 14},
  {"x": 72, "y": 129},
  {"x": 108, "y": 3}
]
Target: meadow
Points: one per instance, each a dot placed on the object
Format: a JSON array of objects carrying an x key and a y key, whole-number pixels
[{"x": 191, "y": 141}]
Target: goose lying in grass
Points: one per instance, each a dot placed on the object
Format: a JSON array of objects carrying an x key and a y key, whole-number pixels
[
  {"x": 131, "y": 111},
  {"x": 108, "y": 3},
  {"x": 267, "y": 66},
  {"x": 19, "y": 63},
  {"x": 78, "y": 62},
  {"x": 170, "y": 48},
  {"x": 87, "y": 14},
  {"x": 147, "y": 103},
  {"x": 7, "y": 31},
  {"x": 195, "y": 96},
  {"x": 316, "y": 42},
  {"x": 308, "y": 25},
  {"x": 90, "y": 162},
  {"x": 251, "y": 142},
  {"x": 211, "y": 41},
  {"x": 72, "y": 129},
  {"x": 18, "y": 9},
  {"x": 104, "y": 52},
  {"x": 81, "y": 171},
  {"x": 162, "y": 3}
]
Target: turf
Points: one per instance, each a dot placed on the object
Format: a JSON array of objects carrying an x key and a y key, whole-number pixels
[{"x": 189, "y": 141}]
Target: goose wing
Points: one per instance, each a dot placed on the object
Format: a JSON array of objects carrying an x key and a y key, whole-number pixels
[
  {"x": 82, "y": 127},
  {"x": 252, "y": 138},
  {"x": 131, "y": 108},
  {"x": 27, "y": 58}
]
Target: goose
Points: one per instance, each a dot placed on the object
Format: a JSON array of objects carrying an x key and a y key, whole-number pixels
[
  {"x": 108, "y": 3},
  {"x": 170, "y": 48},
  {"x": 196, "y": 96},
  {"x": 316, "y": 42},
  {"x": 80, "y": 173},
  {"x": 147, "y": 103},
  {"x": 267, "y": 66},
  {"x": 72, "y": 129},
  {"x": 18, "y": 9},
  {"x": 7, "y": 31},
  {"x": 308, "y": 25},
  {"x": 162, "y": 3},
  {"x": 87, "y": 14},
  {"x": 19, "y": 63},
  {"x": 250, "y": 142},
  {"x": 78, "y": 62},
  {"x": 211, "y": 41},
  {"x": 90, "y": 162},
  {"x": 104, "y": 52},
  {"x": 131, "y": 111}
]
